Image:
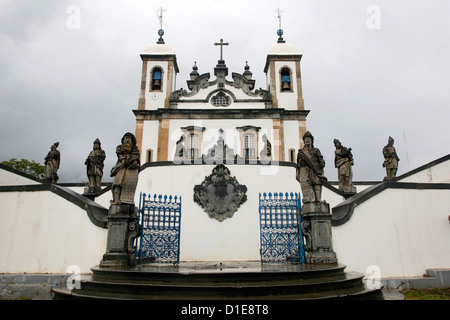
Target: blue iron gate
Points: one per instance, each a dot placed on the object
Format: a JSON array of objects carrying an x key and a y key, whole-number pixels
[
  {"x": 160, "y": 220},
  {"x": 281, "y": 236}
]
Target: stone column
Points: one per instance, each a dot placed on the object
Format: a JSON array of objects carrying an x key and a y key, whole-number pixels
[
  {"x": 123, "y": 228},
  {"x": 316, "y": 227}
]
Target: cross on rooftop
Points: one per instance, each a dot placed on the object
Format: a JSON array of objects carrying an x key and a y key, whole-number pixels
[
  {"x": 279, "y": 16},
  {"x": 159, "y": 12},
  {"x": 221, "y": 44}
]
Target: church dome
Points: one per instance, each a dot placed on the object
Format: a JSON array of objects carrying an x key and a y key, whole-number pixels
[
  {"x": 158, "y": 48},
  {"x": 283, "y": 48}
]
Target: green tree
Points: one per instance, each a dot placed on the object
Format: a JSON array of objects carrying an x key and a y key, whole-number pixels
[{"x": 30, "y": 167}]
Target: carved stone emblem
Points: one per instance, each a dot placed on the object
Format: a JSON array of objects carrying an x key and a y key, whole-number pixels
[{"x": 220, "y": 194}]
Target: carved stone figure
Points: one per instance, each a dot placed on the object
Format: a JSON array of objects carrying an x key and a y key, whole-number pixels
[
  {"x": 390, "y": 160},
  {"x": 266, "y": 152},
  {"x": 220, "y": 194},
  {"x": 94, "y": 167},
  {"x": 51, "y": 163},
  {"x": 180, "y": 150},
  {"x": 126, "y": 171},
  {"x": 309, "y": 171},
  {"x": 343, "y": 161}
]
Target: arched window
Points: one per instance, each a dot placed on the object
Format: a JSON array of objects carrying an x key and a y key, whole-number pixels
[
  {"x": 286, "y": 79},
  {"x": 156, "y": 76}
]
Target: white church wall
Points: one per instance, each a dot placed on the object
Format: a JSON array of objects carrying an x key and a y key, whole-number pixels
[
  {"x": 438, "y": 173},
  {"x": 400, "y": 231},
  {"x": 8, "y": 178},
  {"x": 332, "y": 198},
  {"x": 41, "y": 232},
  {"x": 291, "y": 140},
  {"x": 207, "y": 239},
  {"x": 149, "y": 139}
]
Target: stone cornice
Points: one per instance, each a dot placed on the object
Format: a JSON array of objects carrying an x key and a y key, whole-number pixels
[
  {"x": 281, "y": 57},
  {"x": 224, "y": 113}
]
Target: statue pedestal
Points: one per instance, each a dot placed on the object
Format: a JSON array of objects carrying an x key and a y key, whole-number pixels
[
  {"x": 348, "y": 191},
  {"x": 91, "y": 193},
  {"x": 316, "y": 227},
  {"x": 123, "y": 227}
]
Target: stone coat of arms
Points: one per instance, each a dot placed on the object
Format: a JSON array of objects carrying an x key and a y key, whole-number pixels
[{"x": 220, "y": 194}]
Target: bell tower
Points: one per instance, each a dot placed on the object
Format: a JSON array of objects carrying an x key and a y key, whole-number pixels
[
  {"x": 159, "y": 71},
  {"x": 283, "y": 75},
  {"x": 284, "y": 81}
]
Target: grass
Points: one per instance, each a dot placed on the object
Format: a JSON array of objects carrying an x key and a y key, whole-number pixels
[{"x": 427, "y": 294}]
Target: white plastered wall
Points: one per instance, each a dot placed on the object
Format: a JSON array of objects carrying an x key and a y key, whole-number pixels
[
  {"x": 41, "y": 232},
  {"x": 439, "y": 173},
  {"x": 207, "y": 239},
  {"x": 150, "y": 139},
  {"x": 8, "y": 178},
  {"x": 401, "y": 231}
]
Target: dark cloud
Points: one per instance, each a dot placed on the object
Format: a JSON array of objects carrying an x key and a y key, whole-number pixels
[{"x": 361, "y": 85}]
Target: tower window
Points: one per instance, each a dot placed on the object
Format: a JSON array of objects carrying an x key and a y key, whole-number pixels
[
  {"x": 156, "y": 79},
  {"x": 286, "y": 79}
]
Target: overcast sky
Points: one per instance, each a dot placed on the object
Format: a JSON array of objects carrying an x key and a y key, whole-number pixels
[{"x": 70, "y": 71}]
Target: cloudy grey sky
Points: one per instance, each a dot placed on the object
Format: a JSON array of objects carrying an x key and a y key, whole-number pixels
[{"x": 370, "y": 69}]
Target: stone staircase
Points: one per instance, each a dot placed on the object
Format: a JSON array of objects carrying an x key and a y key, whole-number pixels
[{"x": 221, "y": 281}]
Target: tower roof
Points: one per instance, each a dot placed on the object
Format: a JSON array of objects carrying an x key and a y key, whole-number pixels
[
  {"x": 283, "y": 48},
  {"x": 158, "y": 48}
]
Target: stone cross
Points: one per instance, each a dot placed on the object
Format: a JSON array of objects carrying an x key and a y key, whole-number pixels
[
  {"x": 160, "y": 15},
  {"x": 279, "y": 15},
  {"x": 221, "y": 44}
]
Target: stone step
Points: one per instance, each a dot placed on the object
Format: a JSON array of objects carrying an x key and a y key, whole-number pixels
[
  {"x": 208, "y": 290},
  {"x": 216, "y": 274},
  {"x": 210, "y": 282}
]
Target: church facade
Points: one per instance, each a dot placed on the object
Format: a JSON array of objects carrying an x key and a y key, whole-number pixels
[
  {"x": 190, "y": 126},
  {"x": 184, "y": 137}
]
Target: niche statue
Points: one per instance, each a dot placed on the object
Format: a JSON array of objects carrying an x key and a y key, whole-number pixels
[
  {"x": 94, "y": 167},
  {"x": 126, "y": 171},
  {"x": 51, "y": 163},
  {"x": 180, "y": 151},
  {"x": 309, "y": 171},
  {"x": 266, "y": 152}
]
